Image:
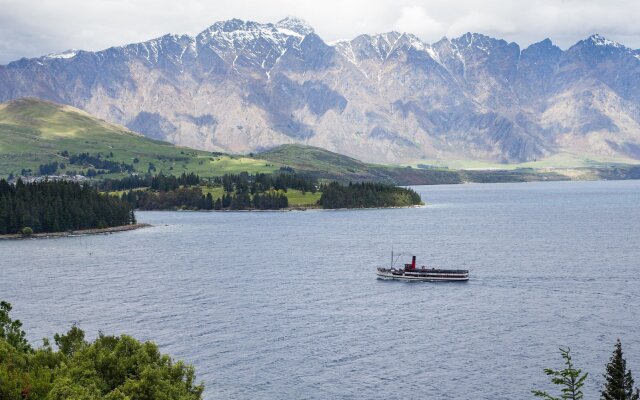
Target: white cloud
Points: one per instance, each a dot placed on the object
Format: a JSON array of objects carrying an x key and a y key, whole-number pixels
[
  {"x": 414, "y": 19},
  {"x": 483, "y": 23},
  {"x": 29, "y": 28}
]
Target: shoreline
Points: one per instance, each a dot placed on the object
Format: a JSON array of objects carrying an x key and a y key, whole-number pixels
[
  {"x": 291, "y": 209},
  {"x": 82, "y": 232}
]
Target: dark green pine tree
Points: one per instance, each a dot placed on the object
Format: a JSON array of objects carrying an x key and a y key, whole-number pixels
[
  {"x": 209, "y": 202},
  {"x": 619, "y": 382}
]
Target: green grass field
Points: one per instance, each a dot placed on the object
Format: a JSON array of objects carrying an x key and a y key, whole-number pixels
[
  {"x": 295, "y": 197},
  {"x": 216, "y": 191},
  {"x": 236, "y": 164}
]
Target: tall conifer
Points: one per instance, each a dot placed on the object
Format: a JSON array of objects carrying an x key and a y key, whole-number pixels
[{"x": 619, "y": 382}]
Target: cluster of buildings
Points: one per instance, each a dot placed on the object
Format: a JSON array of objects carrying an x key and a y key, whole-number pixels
[{"x": 49, "y": 178}]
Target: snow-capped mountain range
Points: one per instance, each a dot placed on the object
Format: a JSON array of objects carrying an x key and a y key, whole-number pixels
[{"x": 243, "y": 86}]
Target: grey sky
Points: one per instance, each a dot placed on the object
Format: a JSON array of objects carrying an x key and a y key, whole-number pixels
[{"x": 30, "y": 28}]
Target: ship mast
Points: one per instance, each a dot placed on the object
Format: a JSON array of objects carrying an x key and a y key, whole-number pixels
[{"x": 391, "y": 256}]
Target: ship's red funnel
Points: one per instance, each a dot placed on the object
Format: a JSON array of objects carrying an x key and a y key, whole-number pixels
[{"x": 413, "y": 262}]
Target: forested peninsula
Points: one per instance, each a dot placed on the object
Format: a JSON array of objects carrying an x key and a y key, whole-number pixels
[
  {"x": 244, "y": 191},
  {"x": 58, "y": 205}
]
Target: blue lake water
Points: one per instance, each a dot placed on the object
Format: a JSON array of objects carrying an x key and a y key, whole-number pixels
[{"x": 285, "y": 305}]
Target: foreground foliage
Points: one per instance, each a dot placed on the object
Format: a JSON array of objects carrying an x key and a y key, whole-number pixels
[
  {"x": 110, "y": 368},
  {"x": 618, "y": 385},
  {"x": 58, "y": 206},
  {"x": 619, "y": 382},
  {"x": 570, "y": 380}
]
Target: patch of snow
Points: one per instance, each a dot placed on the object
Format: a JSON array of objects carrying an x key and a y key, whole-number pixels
[
  {"x": 418, "y": 44},
  {"x": 274, "y": 63},
  {"x": 63, "y": 55},
  {"x": 148, "y": 56},
  {"x": 352, "y": 55},
  {"x": 188, "y": 46},
  {"x": 345, "y": 48},
  {"x": 289, "y": 32},
  {"x": 194, "y": 47},
  {"x": 432, "y": 53},
  {"x": 600, "y": 40},
  {"x": 294, "y": 24},
  {"x": 335, "y": 43},
  {"x": 391, "y": 46},
  {"x": 154, "y": 47}
]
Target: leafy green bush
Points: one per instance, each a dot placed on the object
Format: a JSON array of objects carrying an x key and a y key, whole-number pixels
[{"x": 109, "y": 368}]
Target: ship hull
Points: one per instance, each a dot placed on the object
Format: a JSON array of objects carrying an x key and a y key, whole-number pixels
[{"x": 423, "y": 276}]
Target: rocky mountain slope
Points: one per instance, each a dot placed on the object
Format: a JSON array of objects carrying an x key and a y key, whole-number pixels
[{"x": 242, "y": 86}]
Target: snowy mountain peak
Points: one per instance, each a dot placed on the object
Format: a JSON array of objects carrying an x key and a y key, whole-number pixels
[
  {"x": 375, "y": 46},
  {"x": 295, "y": 25},
  {"x": 599, "y": 40},
  {"x": 416, "y": 42},
  {"x": 236, "y": 32}
]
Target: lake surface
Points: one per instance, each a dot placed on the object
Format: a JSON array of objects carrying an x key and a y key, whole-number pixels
[{"x": 285, "y": 305}]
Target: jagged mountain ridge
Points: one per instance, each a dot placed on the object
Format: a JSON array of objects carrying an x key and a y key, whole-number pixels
[{"x": 243, "y": 86}]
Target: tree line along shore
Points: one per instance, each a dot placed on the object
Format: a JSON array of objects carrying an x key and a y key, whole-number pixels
[{"x": 47, "y": 206}]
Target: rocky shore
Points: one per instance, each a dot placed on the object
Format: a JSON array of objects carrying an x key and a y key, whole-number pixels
[{"x": 75, "y": 233}]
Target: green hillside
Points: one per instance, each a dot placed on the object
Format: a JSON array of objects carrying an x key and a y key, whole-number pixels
[
  {"x": 321, "y": 163},
  {"x": 327, "y": 165},
  {"x": 35, "y": 132}
]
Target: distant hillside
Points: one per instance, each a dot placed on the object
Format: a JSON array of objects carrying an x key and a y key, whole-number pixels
[
  {"x": 324, "y": 164},
  {"x": 321, "y": 163},
  {"x": 35, "y": 132}
]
